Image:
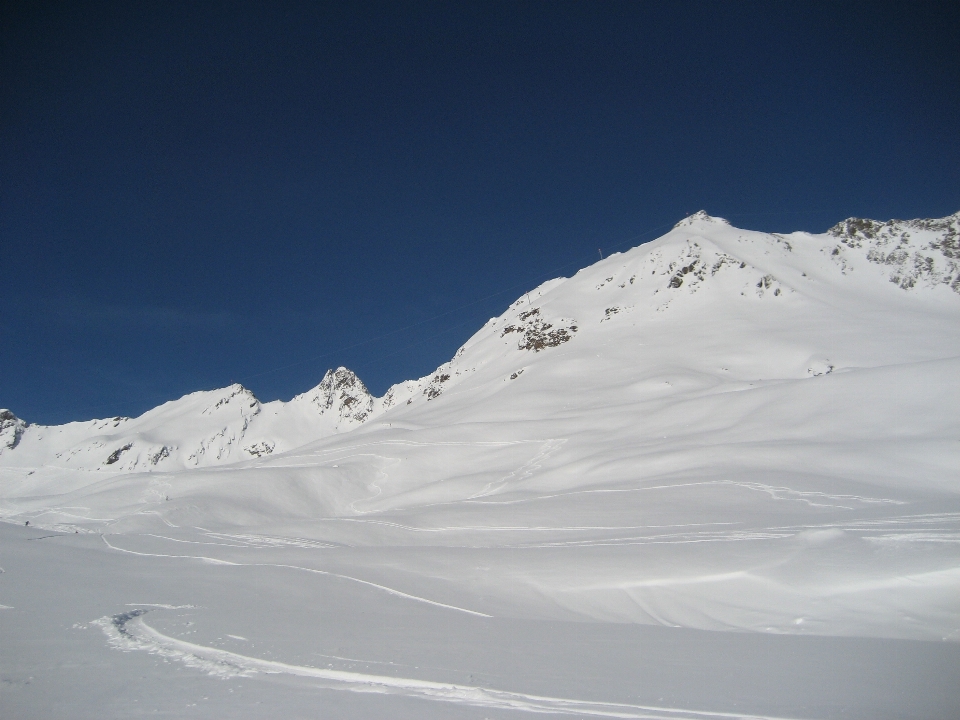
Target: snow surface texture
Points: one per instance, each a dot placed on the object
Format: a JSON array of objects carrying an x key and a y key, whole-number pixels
[{"x": 720, "y": 430}]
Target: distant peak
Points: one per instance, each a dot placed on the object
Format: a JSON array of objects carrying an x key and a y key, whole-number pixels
[
  {"x": 867, "y": 228},
  {"x": 852, "y": 226},
  {"x": 7, "y": 416},
  {"x": 341, "y": 377},
  {"x": 700, "y": 216},
  {"x": 343, "y": 390},
  {"x": 237, "y": 389},
  {"x": 226, "y": 395},
  {"x": 11, "y": 428}
]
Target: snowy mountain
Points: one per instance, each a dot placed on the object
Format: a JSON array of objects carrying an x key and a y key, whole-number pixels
[
  {"x": 717, "y": 430},
  {"x": 787, "y": 281},
  {"x": 198, "y": 430}
]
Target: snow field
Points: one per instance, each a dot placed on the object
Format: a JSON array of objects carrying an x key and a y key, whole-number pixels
[{"x": 721, "y": 430}]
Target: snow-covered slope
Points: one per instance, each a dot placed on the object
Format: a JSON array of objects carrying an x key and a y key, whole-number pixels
[
  {"x": 721, "y": 429},
  {"x": 718, "y": 430}
]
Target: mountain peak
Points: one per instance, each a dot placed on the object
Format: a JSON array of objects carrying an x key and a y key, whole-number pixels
[
  {"x": 700, "y": 216},
  {"x": 342, "y": 391},
  {"x": 11, "y": 430}
]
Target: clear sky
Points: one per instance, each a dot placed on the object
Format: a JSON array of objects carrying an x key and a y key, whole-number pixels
[{"x": 204, "y": 193}]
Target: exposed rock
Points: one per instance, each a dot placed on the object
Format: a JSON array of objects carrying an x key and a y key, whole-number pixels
[
  {"x": 11, "y": 430},
  {"x": 260, "y": 449},
  {"x": 162, "y": 453},
  {"x": 343, "y": 393},
  {"x": 435, "y": 387},
  {"x": 236, "y": 394},
  {"x": 912, "y": 262},
  {"x": 115, "y": 455},
  {"x": 537, "y": 334}
]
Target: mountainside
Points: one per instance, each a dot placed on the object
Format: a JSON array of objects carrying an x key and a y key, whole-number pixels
[
  {"x": 798, "y": 275},
  {"x": 720, "y": 429}
]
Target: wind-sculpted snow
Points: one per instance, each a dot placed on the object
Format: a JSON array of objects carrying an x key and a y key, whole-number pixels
[{"x": 720, "y": 430}]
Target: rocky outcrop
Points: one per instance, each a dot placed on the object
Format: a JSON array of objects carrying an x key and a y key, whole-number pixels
[
  {"x": 342, "y": 394},
  {"x": 536, "y": 334},
  {"x": 11, "y": 430},
  {"x": 917, "y": 252}
]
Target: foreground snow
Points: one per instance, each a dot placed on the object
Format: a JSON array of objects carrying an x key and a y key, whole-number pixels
[{"x": 718, "y": 430}]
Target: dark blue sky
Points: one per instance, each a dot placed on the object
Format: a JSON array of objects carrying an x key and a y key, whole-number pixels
[{"x": 203, "y": 193}]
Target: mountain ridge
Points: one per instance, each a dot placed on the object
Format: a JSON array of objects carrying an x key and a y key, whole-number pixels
[{"x": 700, "y": 254}]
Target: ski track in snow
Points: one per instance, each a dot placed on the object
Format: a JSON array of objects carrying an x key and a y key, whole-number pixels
[
  {"x": 933, "y": 527},
  {"x": 945, "y": 530},
  {"x": 917, "y": 537},
  {"x": 673, "y": 539},
  {"x": 778, "y": 493},
  {"x": 524, "y": 471},
  {"x": 338, "y": 453},
  {"x": 384, "y": 588},
  {"x": 129, "y": 632},
  {"x": 159, "y": 515},
  {"x": 511, "y": 528},
  {"x": 249, "y": 541},
  {"x": 775, "y": 492},
  {"x": 270, "y": 541},
  {"x": 163, "y": 606}
]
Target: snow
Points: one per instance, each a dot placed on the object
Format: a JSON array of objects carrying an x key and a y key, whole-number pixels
[{"x": 723, "y": 446}]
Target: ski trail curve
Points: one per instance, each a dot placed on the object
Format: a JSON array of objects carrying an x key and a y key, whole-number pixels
[
  {"x": 384, "y": 588},
  {"x": 128, "y": 631}
]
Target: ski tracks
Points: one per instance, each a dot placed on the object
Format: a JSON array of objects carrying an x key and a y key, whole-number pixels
[
  {"x": 383, "y": 588},
  {"x": 524, "y": 471},
  {"x": 128, "y": 631}
]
